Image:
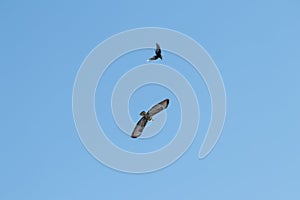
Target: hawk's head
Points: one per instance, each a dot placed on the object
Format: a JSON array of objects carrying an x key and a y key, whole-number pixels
[{"x": 143, "y": 113}]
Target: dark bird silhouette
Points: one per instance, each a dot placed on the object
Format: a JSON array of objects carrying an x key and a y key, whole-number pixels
[
  {"x": 148, "y": 117},
  {"x": 157, "y": 53}
]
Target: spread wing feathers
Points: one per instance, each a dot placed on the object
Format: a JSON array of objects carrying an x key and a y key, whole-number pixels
[
  {"x": 152, "y": 58},
  {"x": 138, "y": 129},
  {"x": 158, "y": 107},
  {"x": 157, "y": 50}
]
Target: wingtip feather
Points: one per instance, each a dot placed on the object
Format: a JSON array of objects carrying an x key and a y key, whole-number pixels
[{"x": 167, "y": 100}]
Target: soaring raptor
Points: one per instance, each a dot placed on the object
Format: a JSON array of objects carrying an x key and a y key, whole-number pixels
[
  {"x": 148, "y": 117},
  {"x": 157, "y": 53}
]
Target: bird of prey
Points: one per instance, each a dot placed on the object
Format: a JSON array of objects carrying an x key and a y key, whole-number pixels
[
  {"x": 157, "y": 53},
  {"x": 148, "y": 117}
]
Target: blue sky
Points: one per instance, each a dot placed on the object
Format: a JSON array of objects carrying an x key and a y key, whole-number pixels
[{"x": 256, "y": 47}]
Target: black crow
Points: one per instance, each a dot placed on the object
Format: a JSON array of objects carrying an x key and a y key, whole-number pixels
[{"x": 157, "y": 53}]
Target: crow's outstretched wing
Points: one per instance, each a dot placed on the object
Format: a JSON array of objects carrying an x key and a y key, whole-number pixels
[
  {"x": 158, "y": 107},
  {"x": 138, "y": 129},
  {"x": 157, "y": 50},
  {"x": 152, "y": 58}
]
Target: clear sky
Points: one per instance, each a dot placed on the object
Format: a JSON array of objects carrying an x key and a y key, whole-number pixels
[{"x": 255, "y": 45}]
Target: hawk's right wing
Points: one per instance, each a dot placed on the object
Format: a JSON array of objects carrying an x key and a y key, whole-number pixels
[
  {"x": 158, "y": 107},
  {"x": 138, "y": 129}
]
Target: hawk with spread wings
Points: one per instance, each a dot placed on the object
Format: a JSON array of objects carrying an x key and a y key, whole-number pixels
[
  {"x": 148, "y": 117},
  {"x": 157, "y": 53}
]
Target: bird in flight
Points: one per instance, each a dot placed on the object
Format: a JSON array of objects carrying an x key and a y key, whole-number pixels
[
  {"x": 148, "y": 117},
  {"x": 157, "y": 53}
]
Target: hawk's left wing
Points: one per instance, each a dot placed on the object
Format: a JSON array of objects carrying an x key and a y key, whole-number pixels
[
  {"x": 158, "y": 107},
  {"x": 138, "y": 129}
]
